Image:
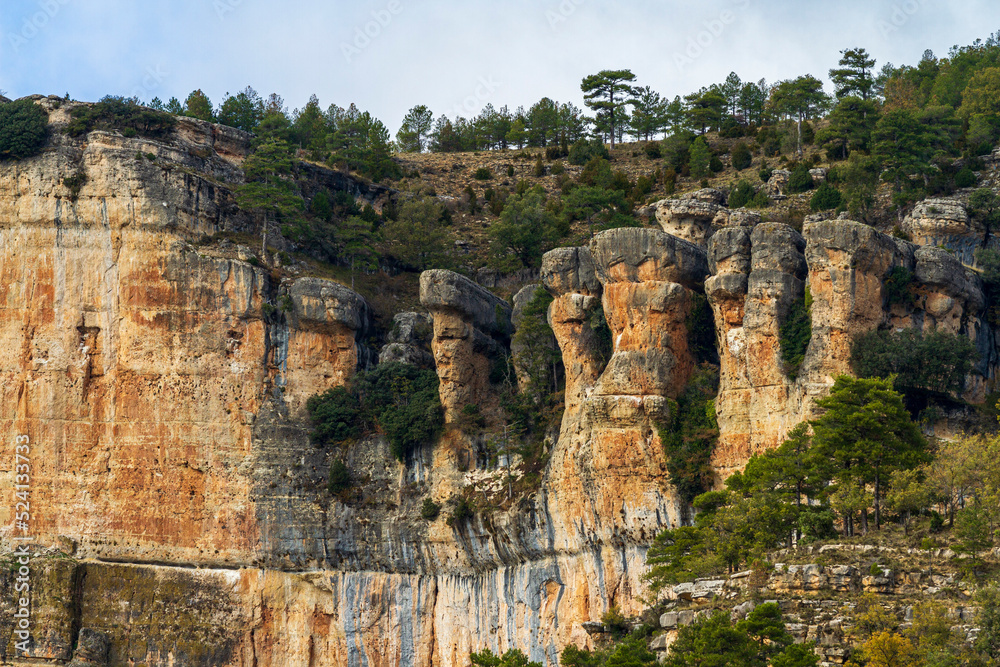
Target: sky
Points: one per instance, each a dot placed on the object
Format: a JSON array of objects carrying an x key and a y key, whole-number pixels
[{"x": 387, "y": 56}]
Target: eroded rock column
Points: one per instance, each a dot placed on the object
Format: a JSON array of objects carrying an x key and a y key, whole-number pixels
[
  {"x": 777, "y": 280},
  {"x": 848, "y": 264},
  {"x": 569, "y": 275},
  {"x": 649, "y": 279},
  {"x": 470, "y": 325},
  {"x": 328, "y": 322},
  {"x": 726, "y": 289}
]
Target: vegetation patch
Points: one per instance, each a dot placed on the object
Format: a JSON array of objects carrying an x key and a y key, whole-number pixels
[
  {"x": 23, "y": 129},
  {"x": 690, "y": 435},
  {"x": 795, "y": 334},
  {"x": 123, "y": 114},
  {"x": 398, "y": 400}
]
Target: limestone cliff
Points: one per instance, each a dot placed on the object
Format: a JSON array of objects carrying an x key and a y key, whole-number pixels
[{"x": 180, "y": 512}]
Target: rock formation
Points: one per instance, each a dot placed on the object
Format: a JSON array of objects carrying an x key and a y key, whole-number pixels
[
  {"x": 471, "y": 326},
  {"x": 945, "y": 223},
  {"x": 179, "y": 512},
  {"x": 575, "y": 316},
  {"x": 409, "y": 340}
]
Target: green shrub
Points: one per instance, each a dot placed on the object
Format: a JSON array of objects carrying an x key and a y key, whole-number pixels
[
  {"x": 510, "y": 171},
  {"x": 741, "y": 156},
  {"x": 741, "y": 195},
  {"x": 464, "y": 511},
  {"x": 669, "y": 180},
  {"x": 335, "y": 416},
  {"x": 932, "y": 363},
  {"x": 615, "y": 622},
  {"x": 800, "y": 180},
  {"x": 557, "y": 169},
  {"x": 700, "y": 161},
  {"x": 795, "y": 333},
  {"x": 23, "y": 128},
  {"x": 700, "y": 324},
  {"x": 765, "y": 174},
  {"x": 122, "y": 114},
  {"x": 817, "y": 524},
  {"x": 340, "y": 477},
  {"x": 715, "y": 164},
  {"x": 75, "y": 183},
  {"x": 539, "y": 167},
  {"x": 653, "y": 150},
  {"x": 400, "y": 400},
  {"x": 555, "y": 152},
  {"x": 690, "y": 435},
  {"x": 404, "y": 402},
  {"x": 899, "y": 287},
  {"x": 430, "y": 509},
  {"x": 825, "y": 198},
  {"x": 483, "y": 174},
  {"x": 966, "y": 178},
  {"x": 582, "y": 151},
  {"x": 760, "y": 200}
]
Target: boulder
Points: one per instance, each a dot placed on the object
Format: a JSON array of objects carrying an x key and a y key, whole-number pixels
[{"x": 945, "y": 222}]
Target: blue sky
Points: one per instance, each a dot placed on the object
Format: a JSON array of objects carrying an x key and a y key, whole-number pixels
[{"x": 388, "y": 55}]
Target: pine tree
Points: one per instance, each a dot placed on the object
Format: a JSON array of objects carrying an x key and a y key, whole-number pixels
[
  {"x": 801, "y": 98},
  {"x": 197, "y": 105},
  {"x": 854, "y": 77},
  {"x": 412, "y": 135},
  {"x": 608, "y": 92},
  {"x": 701, "y": 158}
]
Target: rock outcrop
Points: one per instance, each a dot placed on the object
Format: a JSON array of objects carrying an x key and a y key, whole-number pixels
[
  {"x": 180, "y": 513},
  {"x": 757, "y": 277},
  {"x": 409, "y": 340},
  {"x": 576, "y": 315},
  {"x": 945, "y": 223},
  {"x": 471, "y": 326}
]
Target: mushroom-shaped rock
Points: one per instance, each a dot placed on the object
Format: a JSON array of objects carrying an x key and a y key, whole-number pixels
[
  {"x": 446, "y": 290},
  {"x": 327, "y": 324},
  {"x": 470, "y": 326},
  {"x": 570, "y": 270},
  {"x": 690, "y": 219},
  {"x": 649, "y": 280},
  {"x": 323, "y": 302},
  {"x": 630, "y": 254}
]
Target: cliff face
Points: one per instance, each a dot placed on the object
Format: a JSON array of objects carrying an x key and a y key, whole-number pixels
[{"x": 162, "y": 378}]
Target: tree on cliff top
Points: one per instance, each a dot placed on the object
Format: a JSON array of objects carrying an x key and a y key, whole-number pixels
[
  {"x": 412, "y": 136},
  {"x": 270, "y": 186},
  {"x": 23, "y": 128},
  {"x": 197, "y": 105},
  {"x": 607, "y": 93},
  {"x": 800, "y": 98}
]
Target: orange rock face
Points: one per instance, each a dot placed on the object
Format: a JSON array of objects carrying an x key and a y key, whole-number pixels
[{"x": 136, "y": 365}]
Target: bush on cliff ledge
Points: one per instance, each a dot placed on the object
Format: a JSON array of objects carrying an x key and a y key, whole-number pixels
[
  {"x": 122, "y": 114},
  {"x": 23, "y": 128},
  {"x": 399, "y": 400}
]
